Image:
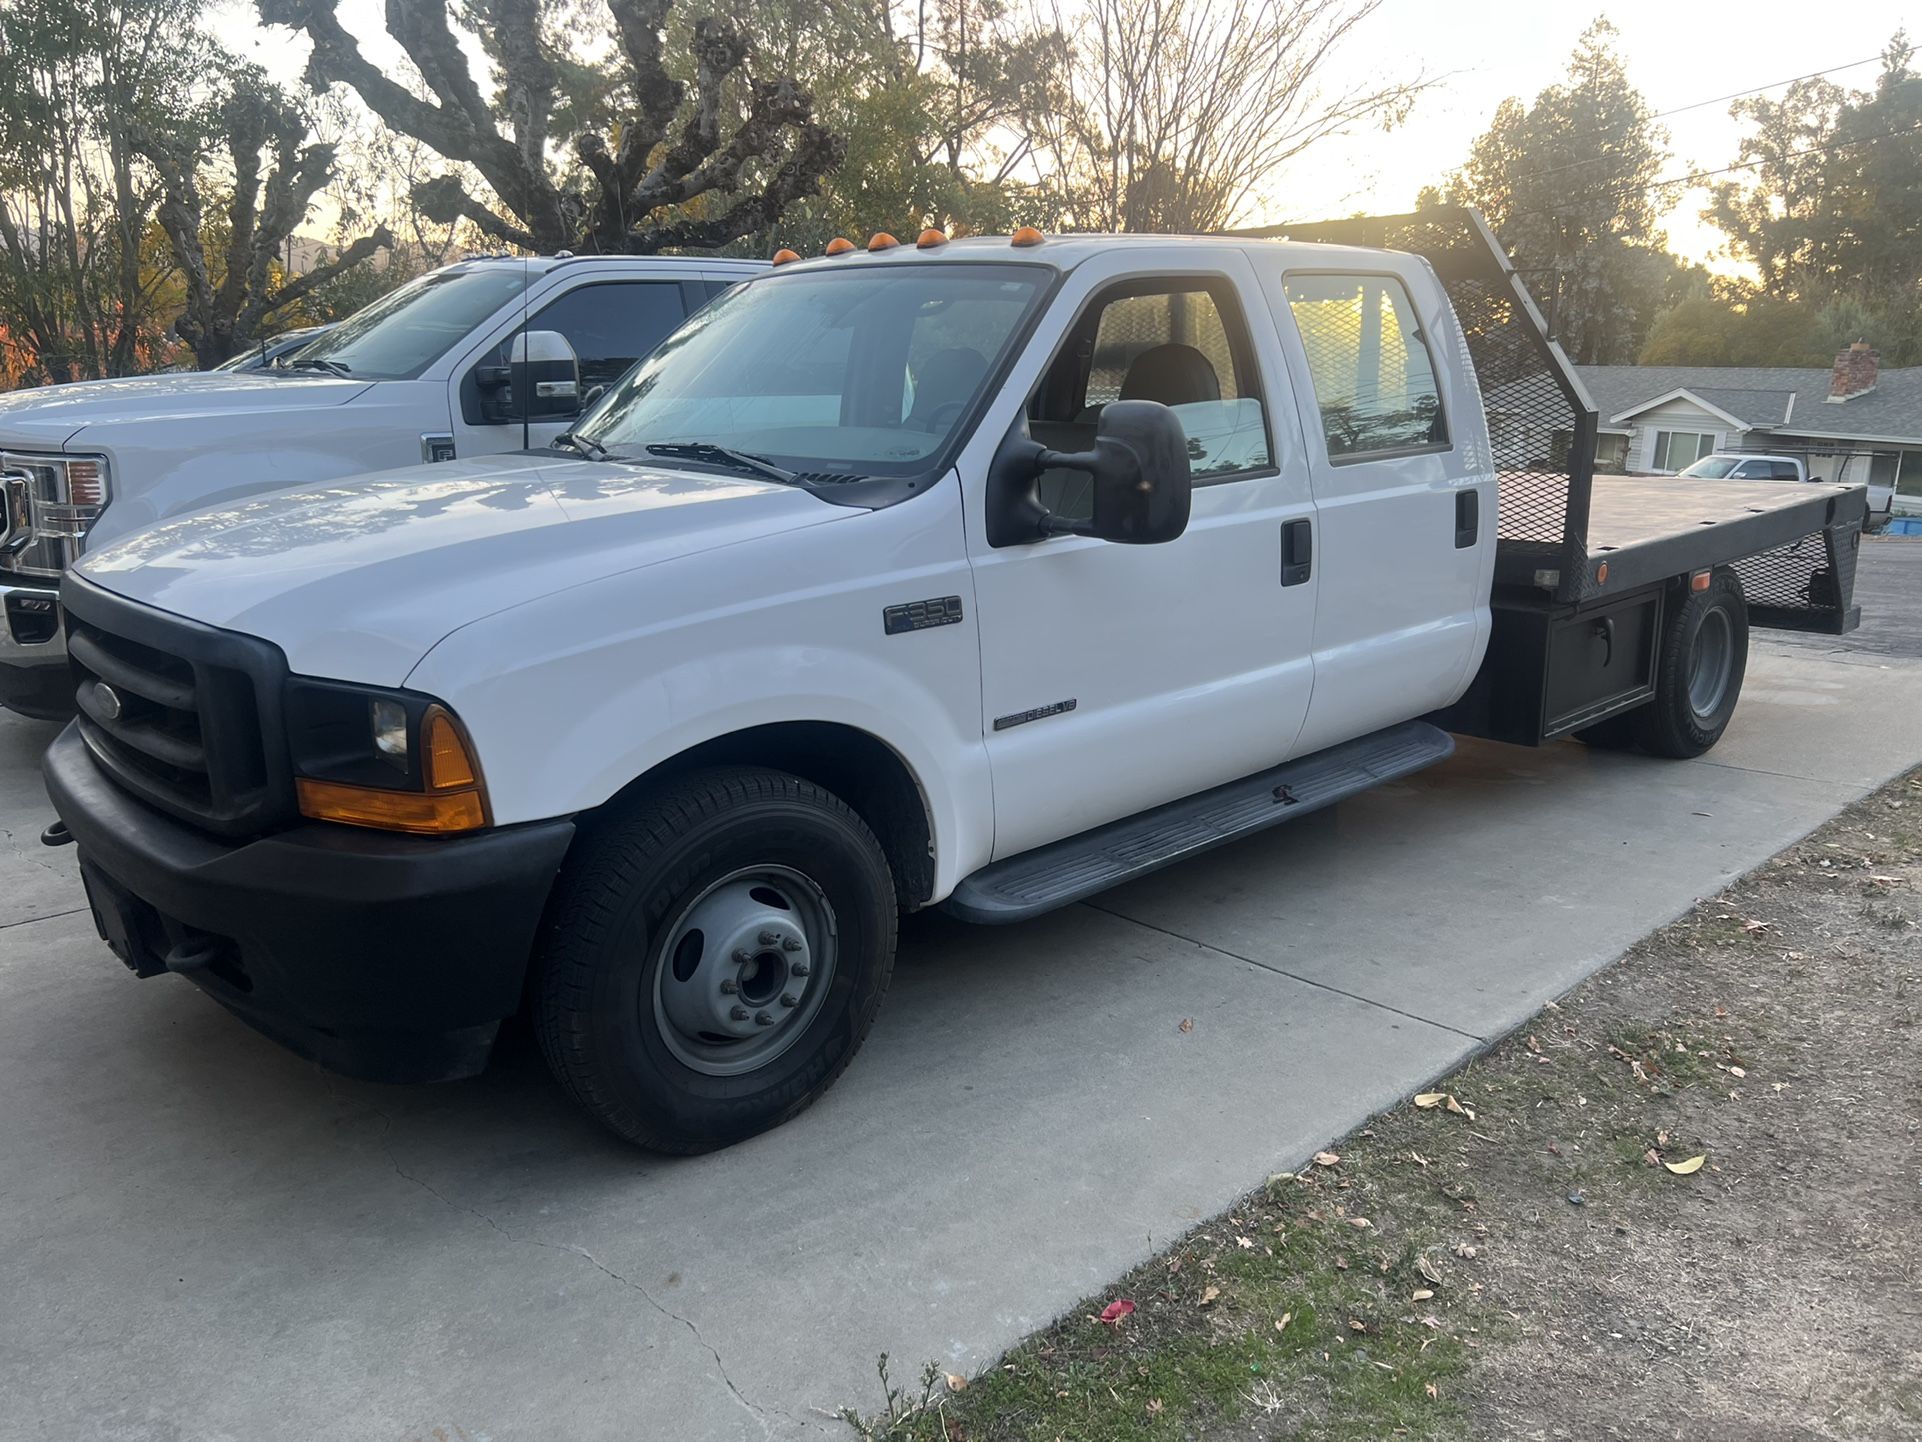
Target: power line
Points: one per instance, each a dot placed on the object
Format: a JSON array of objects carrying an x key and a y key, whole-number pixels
[
  {"x": 1723, "y": 170},
  {"x": 1695, "y": 105}
]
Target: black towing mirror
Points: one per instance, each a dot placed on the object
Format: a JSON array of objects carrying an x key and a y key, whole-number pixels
[{"x": 1143, "y": 486}]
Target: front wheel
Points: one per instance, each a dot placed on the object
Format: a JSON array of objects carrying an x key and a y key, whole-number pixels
[
  {"x": 1698, "y": 675},
  {"x": 716, "y": 955}
]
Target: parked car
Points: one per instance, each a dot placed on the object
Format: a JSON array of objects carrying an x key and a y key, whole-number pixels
[
  {"x": 1742, "y": 466},
  {"x": 985, "y": 574},
  {"x": 438, "y": 369},
  {"x": 273, "y": 349}
]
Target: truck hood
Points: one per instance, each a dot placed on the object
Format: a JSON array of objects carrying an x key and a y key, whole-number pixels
[
  {"x": 359, "y": 580},
  {"x": 50, "y": 416}
]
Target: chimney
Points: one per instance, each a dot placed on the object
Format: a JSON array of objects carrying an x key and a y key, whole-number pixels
[{"x": 1854, "y": 372}]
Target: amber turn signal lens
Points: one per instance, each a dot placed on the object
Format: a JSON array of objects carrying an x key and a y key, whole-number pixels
[
  {"x": 429, "y": 814},
  {"x": 783, "y": 256},
  {"x": 1601, "y": 574},
  {"x": 449, "y": 767},
  {"x": 930, "y": 238},
  {"x": 1027, "y": 235},
  {"x": 1699, "y": 581},
  {"x": 840, "y": 245}
]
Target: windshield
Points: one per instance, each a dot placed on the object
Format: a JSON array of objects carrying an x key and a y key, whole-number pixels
[
  {"x": 1712, "y": 468},
  {"x": 862, "y": 371},
  {"x": 407, "y": 330}
]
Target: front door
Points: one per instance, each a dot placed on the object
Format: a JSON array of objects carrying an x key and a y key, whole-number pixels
[
  {"x": 609, "y": 323},
  {"x": 1116, "y": 677}
]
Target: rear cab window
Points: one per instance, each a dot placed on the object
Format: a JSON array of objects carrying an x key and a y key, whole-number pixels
[{"x": 1373, "y": 373}]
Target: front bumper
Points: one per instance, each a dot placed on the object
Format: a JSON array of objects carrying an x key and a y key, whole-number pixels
[
  {"x": 33, "y": 651},
  {"x": 392, "y": 958}
]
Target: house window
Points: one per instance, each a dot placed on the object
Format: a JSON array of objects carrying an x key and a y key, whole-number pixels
[{"x": 1676, "y": 449}]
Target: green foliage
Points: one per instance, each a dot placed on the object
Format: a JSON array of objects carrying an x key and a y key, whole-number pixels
[{"x": 1570, "y": 185}]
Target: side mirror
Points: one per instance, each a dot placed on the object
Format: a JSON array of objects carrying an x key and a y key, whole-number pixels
[
  {"x": 544, "y": 375},
  {"x": 1143, "y": 488}
]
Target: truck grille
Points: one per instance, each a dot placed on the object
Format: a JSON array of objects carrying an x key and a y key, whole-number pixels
[{"x": 181, "y": 715}]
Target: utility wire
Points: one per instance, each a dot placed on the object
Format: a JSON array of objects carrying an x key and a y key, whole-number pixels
[
  {"x": 1696, "y": 105},
  {"x": 1722, "y": 170}
]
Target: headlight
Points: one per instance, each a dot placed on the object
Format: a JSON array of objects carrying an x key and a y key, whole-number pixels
[
  {"x": 53, "y": 498},
  {"x": 387, "y": 759}
]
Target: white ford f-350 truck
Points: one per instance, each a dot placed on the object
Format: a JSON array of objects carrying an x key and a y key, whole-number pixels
[
  {"x": 984, "y": 574},
  {"x": 434, "y": 371}
]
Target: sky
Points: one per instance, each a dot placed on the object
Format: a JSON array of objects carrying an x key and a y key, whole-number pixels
[{"x": 1678, "y": 52}]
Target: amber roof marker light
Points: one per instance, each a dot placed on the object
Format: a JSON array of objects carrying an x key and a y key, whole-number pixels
[
  {"x": 930, "y": 238},
  {"x": 1025, "y": 236},
  {"x": 783, "y": 256},
  {"x": 881, "y": 240},
  {"x": 840, "y": 245}
]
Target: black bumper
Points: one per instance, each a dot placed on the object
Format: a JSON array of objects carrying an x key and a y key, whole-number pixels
[
  {"x": 42, "y": 692},
  {"x": 393, "y": 958}
]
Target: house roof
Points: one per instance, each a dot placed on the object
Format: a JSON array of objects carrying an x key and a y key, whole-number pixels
[{"x": 1761, "y": 396}]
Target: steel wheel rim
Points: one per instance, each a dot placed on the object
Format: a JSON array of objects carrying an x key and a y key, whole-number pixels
[
  {"x": 1711, "y": 660},
  {"x": 743, "y": 970}
]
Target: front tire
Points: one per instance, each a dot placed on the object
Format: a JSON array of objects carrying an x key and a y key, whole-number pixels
[
  {"x": 716, "y": 954},
  {"x": 1698, "y": 676}
]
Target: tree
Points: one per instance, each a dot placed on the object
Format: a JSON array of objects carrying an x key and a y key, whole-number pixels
[
  {"x": 1830, "y": 205},
  {"x": 79, "y": 283},
  {"x": 271, "y": 175},
  {"x": 672, "y": 162},
  {"x": 1176, "y": 111},
  {"x": 1571, "y": 185}
]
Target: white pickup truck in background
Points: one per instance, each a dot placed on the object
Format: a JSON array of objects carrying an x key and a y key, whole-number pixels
[
  {"x": 1770, "y": 466},
  {"x": 986, "y": 574},
  {"x": 422, "y": 374}
]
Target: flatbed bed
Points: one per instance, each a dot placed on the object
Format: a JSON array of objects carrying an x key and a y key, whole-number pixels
[{"x": 1588, "y": 568}]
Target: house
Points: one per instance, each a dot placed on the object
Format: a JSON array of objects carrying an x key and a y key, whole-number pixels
[{"x": 1854, "y": 422}]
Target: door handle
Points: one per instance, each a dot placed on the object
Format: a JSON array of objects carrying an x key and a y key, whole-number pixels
[
  {"x": 1297, "y": 551},
  {"x": 1468, "y": 518}
]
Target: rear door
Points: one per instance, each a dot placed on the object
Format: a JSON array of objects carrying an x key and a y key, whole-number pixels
[
  {"x": 1405, "y": 509},
  {"x": 1116, "y": 677}
]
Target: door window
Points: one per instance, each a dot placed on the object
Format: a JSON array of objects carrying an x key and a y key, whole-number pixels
[
  {"x": 1183, "y": 344},
  {"x": 1675, "y": 450},
  {"x": 1374, "y": 378},
  {"x": 610, "y": 325}
]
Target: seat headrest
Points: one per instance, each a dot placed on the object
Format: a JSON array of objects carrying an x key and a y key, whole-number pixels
[
  {"x": 947, "y": 377},
  {"x": 1174, "y": 374}
]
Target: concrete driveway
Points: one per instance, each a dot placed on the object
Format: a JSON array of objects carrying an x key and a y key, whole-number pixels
[{"x": 202, "y": 1237}]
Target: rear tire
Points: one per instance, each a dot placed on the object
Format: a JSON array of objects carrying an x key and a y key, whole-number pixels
[
  {"x": 1698, "y": 675},
  {"x": 716, "y": 954}
]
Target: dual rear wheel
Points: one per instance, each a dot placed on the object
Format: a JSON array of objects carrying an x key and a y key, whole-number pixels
[{"x": 1698, "y": 677}]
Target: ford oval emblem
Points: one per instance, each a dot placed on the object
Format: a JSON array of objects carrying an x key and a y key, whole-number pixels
[{"x": 107, "y": 699}]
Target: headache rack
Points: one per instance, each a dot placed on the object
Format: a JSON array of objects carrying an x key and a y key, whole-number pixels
[{"x": 1565, "y": 536}]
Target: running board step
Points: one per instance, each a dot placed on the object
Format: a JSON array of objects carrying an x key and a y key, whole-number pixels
[{"x": 1054, "y": 875}]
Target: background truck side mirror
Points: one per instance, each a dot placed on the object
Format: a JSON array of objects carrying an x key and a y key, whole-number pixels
[
  {"x": 1143, "y": 486},
  {"x": 544, "y": 375}
]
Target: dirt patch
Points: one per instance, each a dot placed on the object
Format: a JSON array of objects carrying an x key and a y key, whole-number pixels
[{"x": 1532, "y": 1251}]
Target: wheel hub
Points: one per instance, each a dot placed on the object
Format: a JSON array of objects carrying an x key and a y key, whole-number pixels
[
  {"x": 744, "y": 969},
  {"x": 1711, "y": 661}
]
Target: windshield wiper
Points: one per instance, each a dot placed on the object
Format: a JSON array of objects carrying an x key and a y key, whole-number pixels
[
  {"x": 592, "y": 449},
  {"x": 721, "y": 456},
  {"x": 320, "y": 363}
]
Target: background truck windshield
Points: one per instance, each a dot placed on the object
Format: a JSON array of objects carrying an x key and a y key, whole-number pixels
[
  {"x": 1712, "y": 468},
  {"x": 403, "y": 333},
  {"x": 865, "y": 371}
]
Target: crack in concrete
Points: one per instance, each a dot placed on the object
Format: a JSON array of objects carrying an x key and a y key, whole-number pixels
[
  {"x": 50, "y": 916},
  {"x": 757, "y": 1412},
  {"x": 1271, "y": 968}
]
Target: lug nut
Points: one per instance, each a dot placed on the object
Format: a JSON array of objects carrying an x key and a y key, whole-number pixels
[
  {"x": 762, "y": 1018},
  {"x": 790, "y": 1000},
  {"x": 800, "y": 968},
  {"x": 739, "y": 1013},
  {"x": 744, "y": 956},
  {"x": 728, "y": 988},
  {"x": 770, "y": 938},
  {"x": 793, "y": 943}
]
